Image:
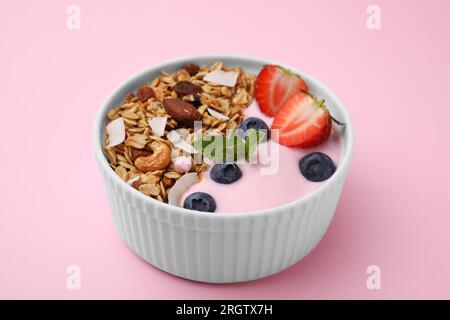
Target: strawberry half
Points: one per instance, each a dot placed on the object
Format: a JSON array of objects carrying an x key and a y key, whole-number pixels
[
  {"x": 303, "y": 121},
  {"x": 274, "y": 85}
]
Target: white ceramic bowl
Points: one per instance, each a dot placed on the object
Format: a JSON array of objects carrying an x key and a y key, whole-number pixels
[{"x": 220, "y": 248}]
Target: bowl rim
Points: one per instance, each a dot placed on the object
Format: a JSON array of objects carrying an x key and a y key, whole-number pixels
[{"x": 103, "y": 163}]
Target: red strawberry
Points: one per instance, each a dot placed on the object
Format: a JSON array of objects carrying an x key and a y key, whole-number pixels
[
  {"x": 274, "y": 85},
  {"x": 303, "y": 121}
]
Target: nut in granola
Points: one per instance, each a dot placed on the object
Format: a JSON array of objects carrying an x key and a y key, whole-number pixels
[
  {"x": 159, "y": 160},
  {"x": 182, "y": 112}
]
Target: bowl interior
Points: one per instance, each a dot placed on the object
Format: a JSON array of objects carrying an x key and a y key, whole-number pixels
[{"x": 250, "y": 65}]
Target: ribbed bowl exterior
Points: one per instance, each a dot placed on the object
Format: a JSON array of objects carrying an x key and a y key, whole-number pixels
[{"x": 220, "y": 248}]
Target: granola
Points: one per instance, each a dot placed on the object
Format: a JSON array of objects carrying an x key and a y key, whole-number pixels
[{"x": 141, "y": 159}]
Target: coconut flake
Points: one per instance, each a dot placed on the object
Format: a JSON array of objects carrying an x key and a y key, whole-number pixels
[
  {"x": 180, "y": 187},
  {"x": 217, "y": 114},
  {"x": 178, "y": 141},
  {"x": 225, "y": 78},
  {"x": 158, "y": 125},
  {"x": 116, "y": 132},
  {"x": 134, "y": 179}
]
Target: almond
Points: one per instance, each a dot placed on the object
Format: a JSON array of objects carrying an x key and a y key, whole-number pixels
[{"x": 180, "y": 111}]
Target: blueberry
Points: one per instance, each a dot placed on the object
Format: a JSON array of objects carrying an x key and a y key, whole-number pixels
[
  {"x": 225, "y": 173},
  {"x": 317, "y": 166},
  {"x": 256, "y": 124},
  {"x": 200, "y": 201}
]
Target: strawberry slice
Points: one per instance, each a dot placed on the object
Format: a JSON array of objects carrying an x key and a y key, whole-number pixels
[
  {"x": 274, "y": 85},
  {"x": 303, "y": 121}
]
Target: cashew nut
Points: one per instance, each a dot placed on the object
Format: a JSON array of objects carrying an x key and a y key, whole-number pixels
[{"x": 159, "y": 159}]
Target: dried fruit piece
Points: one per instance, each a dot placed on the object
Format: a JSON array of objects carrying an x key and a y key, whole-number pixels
[
  {"x": 136, "y": 153},
  {"x": 192, "y": 69},
  {"x": 136, "y": 184},
  {"x": 182, "y": 112},
  {"x": 184, "y": 88},
  {"x": 145, "y": 93}
]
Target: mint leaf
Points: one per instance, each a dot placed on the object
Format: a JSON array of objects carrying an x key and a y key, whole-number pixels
[{"x": 220, "y": 148}]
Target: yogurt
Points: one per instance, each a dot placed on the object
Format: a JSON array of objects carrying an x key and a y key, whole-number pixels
[{"x": 275, "y": 181}]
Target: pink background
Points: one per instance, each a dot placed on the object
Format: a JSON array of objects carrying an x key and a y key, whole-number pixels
[{"x": 394, "y": 211}]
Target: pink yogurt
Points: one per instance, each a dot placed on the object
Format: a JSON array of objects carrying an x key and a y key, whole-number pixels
[{"x": 258, "y": 190}]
